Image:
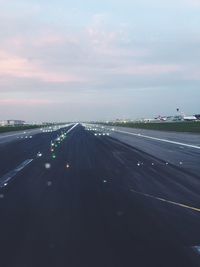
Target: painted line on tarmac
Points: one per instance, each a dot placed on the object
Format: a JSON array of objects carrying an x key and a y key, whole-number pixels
[
  {"x": 160, "y": 139},
  {"x": 6, "y": 179},
  {"x": 18, "y": 134},
  {"x": 10, "y": 135},
  {"x": 167, "y": 201},
  {"x": 72, "y": 127}
]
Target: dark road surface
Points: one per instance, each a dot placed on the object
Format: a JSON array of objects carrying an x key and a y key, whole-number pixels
[{"x": 99, "y": 203}]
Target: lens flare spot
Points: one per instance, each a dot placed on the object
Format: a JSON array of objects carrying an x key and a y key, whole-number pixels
[{"x": 47, "y": 166}]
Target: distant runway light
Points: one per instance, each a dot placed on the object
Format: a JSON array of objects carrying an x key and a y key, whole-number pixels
[
  {"x": 39, "y": 154},
  {"x": 49, "y": 183},
  {"x": 67, "y": 166},
  {"x": 1, "y": 196},
  {"x": 47, "y": 166}
]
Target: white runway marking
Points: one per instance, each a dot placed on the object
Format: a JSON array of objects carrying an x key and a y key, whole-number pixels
[
  {"x": 9, "y": 135},
  {"x": 167, "y": 201},
  {"x": 160, "y": 139},
  {"x": 9, "y": 176},
  {"x": 72, "y": 128}
]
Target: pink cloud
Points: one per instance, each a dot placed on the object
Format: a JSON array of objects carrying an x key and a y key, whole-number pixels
[
  {"x": 148, "y": 69},
  {"x": 117, "y": 52},
  {"x": 20, "y": 67},
  {"x": 48, "y": 40},
  {"x": 44, "y": 40},
  {"x": 100, "y": 36},
  {"x": 26, "y": 102}
]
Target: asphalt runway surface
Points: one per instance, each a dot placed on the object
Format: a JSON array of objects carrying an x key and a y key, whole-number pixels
[{"x": 97, "y": 201}]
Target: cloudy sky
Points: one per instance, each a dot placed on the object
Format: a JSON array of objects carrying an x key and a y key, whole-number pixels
[{"x": 89, "y": 60}]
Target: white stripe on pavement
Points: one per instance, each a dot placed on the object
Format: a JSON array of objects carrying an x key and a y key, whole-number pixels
[
  {"x": 159, "y": 139},
  {"x": 4, "y": 180},
  {"x": 10, "y": 135},
  {"x": 167, "y": 201},
  {"x": 72, "y": 128}
]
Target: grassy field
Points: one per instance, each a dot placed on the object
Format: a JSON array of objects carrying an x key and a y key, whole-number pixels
[
  {"x": 4, "y": 129},
  {"x": 192, "y": 127}
]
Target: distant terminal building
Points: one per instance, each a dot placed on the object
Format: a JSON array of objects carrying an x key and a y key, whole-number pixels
[
  {"x": 15, "y": 122},
  {"x": 3, "y": 123},
  {"x": 12, "y": 123}
]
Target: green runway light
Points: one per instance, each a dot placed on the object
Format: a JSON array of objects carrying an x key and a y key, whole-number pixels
[{"x": 53, "y": 156}]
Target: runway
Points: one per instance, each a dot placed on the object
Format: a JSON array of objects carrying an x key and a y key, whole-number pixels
[{"x": 75, "y": 198}]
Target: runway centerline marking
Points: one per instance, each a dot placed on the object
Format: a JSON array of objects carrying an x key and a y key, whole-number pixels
[
  {"x": 167, "y": 201},
  {"x": 72, "y": 128},
  {"x": 160, "y": 139},
  {"x": 4, "y": 180}
]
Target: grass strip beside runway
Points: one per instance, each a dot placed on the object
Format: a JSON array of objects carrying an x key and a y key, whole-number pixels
[
  {"x": 5, "y": 129},
  {"x": 192, "y": 127}
]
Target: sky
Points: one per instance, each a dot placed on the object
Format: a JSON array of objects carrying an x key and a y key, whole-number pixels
[{"x": 98, "y": 60}]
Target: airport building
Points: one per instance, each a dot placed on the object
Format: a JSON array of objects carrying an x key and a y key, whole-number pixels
[
  {"x": 12, "y": 123},
  {"x": 3, "y": 123}
]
